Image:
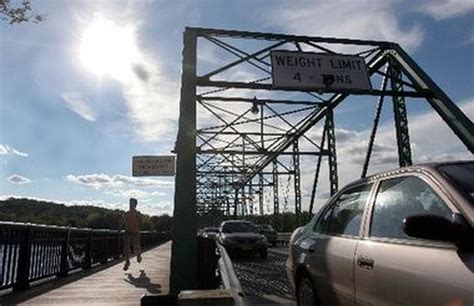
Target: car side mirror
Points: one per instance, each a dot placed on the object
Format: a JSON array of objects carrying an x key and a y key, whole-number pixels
[{"x": 434, "y": 227}]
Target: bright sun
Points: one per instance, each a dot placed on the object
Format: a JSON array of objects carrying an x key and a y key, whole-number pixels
[{"x": 108, "y": 49}]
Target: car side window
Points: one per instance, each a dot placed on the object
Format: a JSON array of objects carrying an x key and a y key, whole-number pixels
[
  {"x": 399, "y": 198},
  {"x": 344, "y": 215}
]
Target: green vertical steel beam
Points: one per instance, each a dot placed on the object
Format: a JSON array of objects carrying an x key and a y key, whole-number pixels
[
  {"x": 184, "y": 259},
  {"x": 378, "y": 111},
  {"x": 331, "y": 136},
  {"x": 297, "y": 181},
  {"x": 318, "y": 169},
  {"x": 276, "y": 196},
  {"x": 260, "y": 194},
  {"x": 459, "y": 123},
  {"x": 262, "y": 147},
  {"x": 236, "y": 201},
  {"x": 400, "y": 115},
  {"x": 243, "y": 202}
]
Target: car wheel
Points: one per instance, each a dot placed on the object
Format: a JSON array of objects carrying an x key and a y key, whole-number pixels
[
  {"x": 306, "y": 295},
  {"x": 263, "y": 254}
]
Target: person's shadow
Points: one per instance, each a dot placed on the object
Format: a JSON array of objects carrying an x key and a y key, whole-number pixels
[{"x": 143, "y": 281}]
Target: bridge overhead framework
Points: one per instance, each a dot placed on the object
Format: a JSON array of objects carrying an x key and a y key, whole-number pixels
[{"x": 240, "y": 136}]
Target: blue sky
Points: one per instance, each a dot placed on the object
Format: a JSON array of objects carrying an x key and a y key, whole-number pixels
[{"x": 73, "y": 113}]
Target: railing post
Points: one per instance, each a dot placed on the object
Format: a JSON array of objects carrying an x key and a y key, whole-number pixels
[
  {"x": 88, "y": 260},
  {"x": 64, "y": 252},
  {"x": 207, "y": 263},
  {"x": 119, "y": 244},
  {"x": 106, "y": 247},
  {"x": 143, "y": 240},
  {"x": 24, "y": 259}
]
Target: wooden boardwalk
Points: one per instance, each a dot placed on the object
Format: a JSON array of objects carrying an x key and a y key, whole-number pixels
[{"x": 113, "y": 286}]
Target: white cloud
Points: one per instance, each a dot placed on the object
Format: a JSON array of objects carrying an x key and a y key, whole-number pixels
[
  {"x": 366, "y": 19},
  {"x": 136, "y": 193},
  {"x": 470, "y": 39},
  {"x": 101, "y": 181},
  {"x": 152, "y": 102},
  {"x": 76, "y": 103},
  {"x": 445, "y": 9},
  {"x": 352, "y": 148},
  {"x": 151, "y": 193},
  {"x": 6, "y": 150},
  {"x": 110, "y": 48},
  {"x": 18, "y": 179},
  {"x": 441, "y": 143}
]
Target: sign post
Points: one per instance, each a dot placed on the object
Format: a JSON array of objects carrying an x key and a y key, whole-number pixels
[{"x": 318, "y": 71}]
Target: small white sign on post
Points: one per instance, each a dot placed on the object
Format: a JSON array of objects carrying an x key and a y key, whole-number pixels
[
  {"x": 318, "y": 71},
  {"x": 163, "y": 165}
]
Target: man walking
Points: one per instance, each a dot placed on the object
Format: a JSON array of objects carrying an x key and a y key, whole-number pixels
[{"x": 131, "y": 222}]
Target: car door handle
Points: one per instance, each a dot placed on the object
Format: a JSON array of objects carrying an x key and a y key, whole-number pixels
[{"x": 365, "y": 263}]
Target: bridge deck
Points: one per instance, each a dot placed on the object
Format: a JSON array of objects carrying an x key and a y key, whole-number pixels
[{"x": 113, "y": 286}]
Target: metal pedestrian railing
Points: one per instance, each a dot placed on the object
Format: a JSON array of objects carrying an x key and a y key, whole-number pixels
[
  {"x": 31, "y": 252},
  {"x": 229, "y": 278}
]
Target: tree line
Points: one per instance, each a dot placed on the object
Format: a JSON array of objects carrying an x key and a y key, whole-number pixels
[
  {"x": 88, "y": 216},
  {"x": 81, "y": 216}
]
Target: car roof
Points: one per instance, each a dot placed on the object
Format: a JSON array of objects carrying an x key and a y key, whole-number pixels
[
  {"x": 235, "y": 221},
  {"x": 425, "y": 167}
]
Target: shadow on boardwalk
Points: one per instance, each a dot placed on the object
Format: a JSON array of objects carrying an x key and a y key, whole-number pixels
[
  {"x": 143, "y": 281},
  {"x": 105, "y": 285}
]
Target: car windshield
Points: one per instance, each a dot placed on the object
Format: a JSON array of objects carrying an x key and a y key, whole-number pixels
[
  {"x": 238, "y": 227},
  {"x": 462, "y": 176},
  {"x": 265, "y": 227}
]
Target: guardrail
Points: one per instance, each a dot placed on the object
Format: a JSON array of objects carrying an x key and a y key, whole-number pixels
[
  {"x": 30, "y": 252},
  {"x": 283, "y": 238},
  {"x": 229, "y": 277}
]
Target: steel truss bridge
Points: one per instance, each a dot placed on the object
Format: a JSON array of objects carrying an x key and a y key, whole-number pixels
[
  {"x": 249, "y": 135},
  {"x": 238, "y": 136}
]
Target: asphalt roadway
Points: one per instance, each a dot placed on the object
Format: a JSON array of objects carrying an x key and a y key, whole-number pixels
[{"x": 264, "y": 281}]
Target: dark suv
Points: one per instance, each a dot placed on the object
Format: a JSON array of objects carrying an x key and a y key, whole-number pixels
[
  {"x": 241, "y": 237},
  {"x": 402, "y": 237},
  {"x": 269, "y": 232}
]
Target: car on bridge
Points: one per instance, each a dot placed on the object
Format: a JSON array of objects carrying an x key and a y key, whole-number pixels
[
  {"x": 269, "y": 232},
  {"x": 241, "y": 237},
  {"x": 401, "y": 237}
]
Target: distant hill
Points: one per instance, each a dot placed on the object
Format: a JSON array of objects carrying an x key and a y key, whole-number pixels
[{"x": 85, "y": 216}]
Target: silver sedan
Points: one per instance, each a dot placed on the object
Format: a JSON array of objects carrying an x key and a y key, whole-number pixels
[{"x": 402, "y": 237}]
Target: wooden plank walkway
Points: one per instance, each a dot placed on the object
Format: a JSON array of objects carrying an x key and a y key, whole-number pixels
[{"x": 113, "y": 286}]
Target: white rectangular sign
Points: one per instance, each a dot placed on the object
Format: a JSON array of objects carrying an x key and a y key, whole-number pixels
[
  {"x": 318, "y": 71},
  {"x": 163, "y": 165}
]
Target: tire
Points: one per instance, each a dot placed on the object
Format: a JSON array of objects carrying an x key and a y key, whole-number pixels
[
  {"x": 263, "y": 254},
  {"x": 306, "y": 294}
]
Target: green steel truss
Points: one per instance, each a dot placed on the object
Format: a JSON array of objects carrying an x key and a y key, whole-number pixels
[{"x": 240, "y": 140}]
